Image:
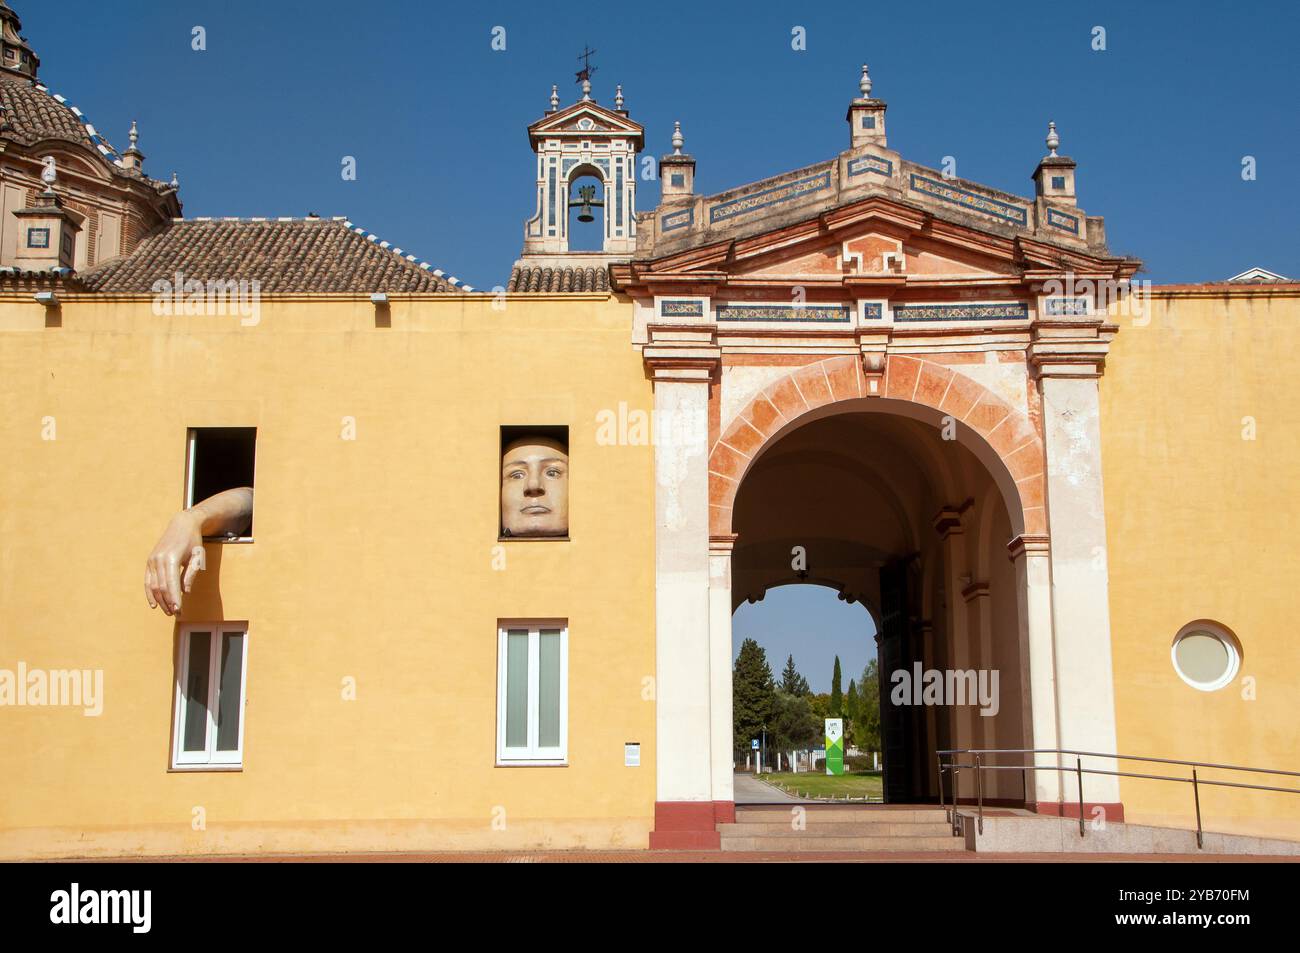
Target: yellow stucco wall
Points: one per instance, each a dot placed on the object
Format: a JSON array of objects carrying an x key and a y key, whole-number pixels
[
  {"x": 1202, "y": 524},
  {"x": 373, "y": 559}
]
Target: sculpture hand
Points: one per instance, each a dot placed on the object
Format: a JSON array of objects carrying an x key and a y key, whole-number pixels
[{"x": 180, "y": 548}]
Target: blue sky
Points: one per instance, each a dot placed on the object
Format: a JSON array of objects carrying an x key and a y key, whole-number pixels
[
  {"x": 259, "y": 123},
  {"x": 813, "y": 625}
]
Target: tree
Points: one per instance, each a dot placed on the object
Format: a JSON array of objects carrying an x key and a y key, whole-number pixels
[
  {"x": 837, "y": 695},
  {"x": 753, "y": 694},
  {"x": 867, "y": 726},
  {"x": 792, "y": 683},
  {"x": 821, "y": 705},
  {"x": 852, "y": 709},
  {"x": 794, "y": 726}
]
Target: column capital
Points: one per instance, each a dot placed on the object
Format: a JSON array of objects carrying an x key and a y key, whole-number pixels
[
  {"x": 1069, "y": 346},
  {"x": 1031, "y": 545},
  {"x": 682, "y": 352},
  {"x": 976, "y": 590},
  {"x": 721, "y": 544},
  {"x": 947, "y": 522}
]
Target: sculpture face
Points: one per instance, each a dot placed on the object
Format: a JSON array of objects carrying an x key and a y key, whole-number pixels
[{"x": 535, "y": 487}]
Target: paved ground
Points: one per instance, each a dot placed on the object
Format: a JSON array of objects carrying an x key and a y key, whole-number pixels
[{"x": 750, "y": 790}]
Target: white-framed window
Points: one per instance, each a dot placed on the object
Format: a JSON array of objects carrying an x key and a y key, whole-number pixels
[
  {"x": 533, "y": 692},
  {"x": 1206, "y": 655},
  {"x": 211, "y": 672}
]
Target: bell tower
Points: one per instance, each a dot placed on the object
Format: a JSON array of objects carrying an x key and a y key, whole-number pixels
[
  {"x": 16, "y": 57},
  {"x": 590, "y": 142}
]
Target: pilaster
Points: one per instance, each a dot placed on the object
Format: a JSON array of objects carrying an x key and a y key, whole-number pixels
[{"x": 682, "y": 362}]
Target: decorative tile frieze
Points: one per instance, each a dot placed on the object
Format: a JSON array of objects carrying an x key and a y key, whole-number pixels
[
  {"x": 681, "y": 308},
  {"x": 872, "y": 311},
  {"x": 1059, "y": 307},
  {"x": 1010, "y": 311},
  {"x": 863, "y": 165},
  {"x": 726, "y": 211},
  {"x": 1066, "y": 223},
  {"x": 675, "y": 220},
  {"x": 785, "y": 313},
  {"x": 971, "y": 201}
]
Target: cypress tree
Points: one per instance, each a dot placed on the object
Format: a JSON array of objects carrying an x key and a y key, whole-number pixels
[
  {"x": 837, "y": 694},
  {"x": 753, "y": 694},
  {"x": 790, "y": 677}
]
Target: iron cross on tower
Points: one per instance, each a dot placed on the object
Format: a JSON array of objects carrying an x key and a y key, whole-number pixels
[{"x": 584, "y": 74}]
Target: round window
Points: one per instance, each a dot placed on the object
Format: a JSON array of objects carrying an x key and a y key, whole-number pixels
[{"x": 1206, "y": 656}]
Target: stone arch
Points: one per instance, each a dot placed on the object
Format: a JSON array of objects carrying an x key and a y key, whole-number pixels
[
  {"x": 1004, "y": 439},
  {"x": 585, "y": 169}
]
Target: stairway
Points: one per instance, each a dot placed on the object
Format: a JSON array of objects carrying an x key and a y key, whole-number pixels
[{"x": 839, "y": 828}]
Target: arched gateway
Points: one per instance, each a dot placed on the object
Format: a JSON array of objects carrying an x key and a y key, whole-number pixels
[{"x": 896, "y": 370}]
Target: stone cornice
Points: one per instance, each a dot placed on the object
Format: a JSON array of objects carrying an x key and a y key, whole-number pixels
[
  {"x": 1069, "y": 346},
  {"x": 947, "y": 522},
  {"x": 1026, "y": 544},
  {"x": 682, "y": 352},
  {"x": 721, "y": 544}
]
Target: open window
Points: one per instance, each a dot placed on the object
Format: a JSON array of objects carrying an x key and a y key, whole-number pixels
[{"x": 217, "y": 459}]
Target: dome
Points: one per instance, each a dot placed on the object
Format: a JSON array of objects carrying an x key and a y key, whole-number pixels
[{"x": 32, "y": 114}]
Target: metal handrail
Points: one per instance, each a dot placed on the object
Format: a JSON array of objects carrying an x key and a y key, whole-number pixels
[{"x": 955, "y": 765}]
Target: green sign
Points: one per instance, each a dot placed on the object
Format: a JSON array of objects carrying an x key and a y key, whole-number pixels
[{"x": 834, "y": 746}]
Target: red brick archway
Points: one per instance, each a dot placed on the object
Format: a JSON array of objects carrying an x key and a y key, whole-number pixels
[{"x": 1009, "y": 433}]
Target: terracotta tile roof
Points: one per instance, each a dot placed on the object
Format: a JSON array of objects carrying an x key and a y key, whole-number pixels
[
  {"x": 540, "y": 279},
  {"x": 33, "y": 114},
  {"x": 285, "y": 256}
]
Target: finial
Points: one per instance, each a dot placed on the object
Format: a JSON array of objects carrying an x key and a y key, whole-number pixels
[
  {"x": 584, "y": 74},
  {"x": 555, "y": 97},
  {"x": 618, "y": 96},
  {"x": 134, "y": 136},
  {"x": 864, "y": 84},
  {"x": 1053, "y": 140},
  {"x": 678, "y": 140},
  {"x": 50, "y": 174},
  {"x": 176, "y": 182}
]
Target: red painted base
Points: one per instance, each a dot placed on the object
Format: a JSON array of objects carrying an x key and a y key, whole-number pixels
[
  {"x": 724, "y": 812},
  {"x": 686, "y": 825},
  {"x": 1114, "y": 810}
]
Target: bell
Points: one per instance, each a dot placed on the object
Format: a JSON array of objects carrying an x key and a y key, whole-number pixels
[{"x": 586, "y": 199}]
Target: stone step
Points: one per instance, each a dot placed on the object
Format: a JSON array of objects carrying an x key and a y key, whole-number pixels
[
  {"x": 815, "y": 814},
  {"x": 881, "y": 828},
  {"x": 817, "y": 842}
]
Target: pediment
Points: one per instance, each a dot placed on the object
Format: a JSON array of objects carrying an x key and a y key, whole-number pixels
[
  {"x": 585, "y": 118},
  {"x": 875, "y": 253},
  {"x": 874, "y": 238}
]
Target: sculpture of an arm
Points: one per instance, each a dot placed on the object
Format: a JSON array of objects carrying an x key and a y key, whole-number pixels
[{"x": 180, "y": 550}]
